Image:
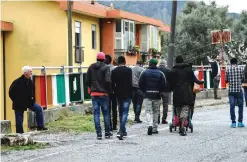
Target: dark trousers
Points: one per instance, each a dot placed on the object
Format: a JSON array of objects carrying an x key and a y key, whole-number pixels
[
  {"x": 113, "y": 111},
  {"x": 216, "y": 86},
  {"x": 165, "y": 98},
  {"x": 233, "y": 98},
  {"x": 123, "y": 106},
  {"x": 19, "y": 118},
  {"x": 137, "y": 100}
]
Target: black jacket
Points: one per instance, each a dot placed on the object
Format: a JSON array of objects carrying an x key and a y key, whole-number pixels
[
  {"x": 21, "y": 92},
  {"x": 165, "y": 71},
  {"x": 98, "y": 78},
  {"x": 122, "y": 82},
  {"x": 152, "y": 82},
  {"x": 214, "y": 67},
  {"x": 181, "y": 79},
  {"x": 245, "y": 74}
]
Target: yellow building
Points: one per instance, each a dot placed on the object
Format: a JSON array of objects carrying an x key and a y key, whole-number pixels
[{"x": 40, "y": 38}]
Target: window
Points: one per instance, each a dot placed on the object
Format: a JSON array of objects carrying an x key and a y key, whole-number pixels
[
  {"x": 126, "y": 26},
  {"x": 78, "y": 48},
  {"x": 93, "y": 36},
  {"x": 118, "y": 25}
]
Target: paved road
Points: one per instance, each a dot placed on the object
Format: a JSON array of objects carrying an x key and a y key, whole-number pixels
[{"x": 212, "y": 140}]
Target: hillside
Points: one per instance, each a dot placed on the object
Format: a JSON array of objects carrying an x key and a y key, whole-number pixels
[{"x": 161, "y": 10}]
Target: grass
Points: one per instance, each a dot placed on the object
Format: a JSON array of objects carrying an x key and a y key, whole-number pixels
[
  {"x": 75, "y": 123},
  {"x": 26, "y": 147}
]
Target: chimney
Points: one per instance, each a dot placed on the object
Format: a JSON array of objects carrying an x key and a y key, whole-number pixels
[
  {"x": 92, "y": 2},
  {"x": 112, "y": 6}
]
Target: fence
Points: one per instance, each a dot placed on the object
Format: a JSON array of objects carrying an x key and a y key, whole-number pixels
[{"x": 63, "y": 88}]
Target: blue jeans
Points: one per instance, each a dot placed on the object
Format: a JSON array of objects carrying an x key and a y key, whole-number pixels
[
  {"x": 19, "y": 118},
  {"x": 123, "y": 105},
  {"x": 103, "y": 103},
  {"x": 233, "y": 98}
]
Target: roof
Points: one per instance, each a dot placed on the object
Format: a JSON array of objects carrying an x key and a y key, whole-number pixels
[
  {"x": 103, "y": 11},
  {"x": 6, "y": 26}
]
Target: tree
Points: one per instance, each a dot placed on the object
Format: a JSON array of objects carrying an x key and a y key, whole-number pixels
[
  {"x": 193, "y": 30},
  {"x": 238, "y": 46}
]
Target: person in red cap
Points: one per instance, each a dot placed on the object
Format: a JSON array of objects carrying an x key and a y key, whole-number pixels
[{"x": 99, "y": 86}]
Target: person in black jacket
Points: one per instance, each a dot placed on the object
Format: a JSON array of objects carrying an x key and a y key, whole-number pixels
[
  {"x": 99, "y": 84},
  {"x": 180, "y": 80},
  {"x": 245, "y": 84},
  {"x": 152, "y": 82},
  {"x": 165, "y": 94},
  {"x": 112, "y": 98},
  {"x": 121, "y": 78},
  {"x": 21, "y": 92},
  {"x": 215, "y": 66}
]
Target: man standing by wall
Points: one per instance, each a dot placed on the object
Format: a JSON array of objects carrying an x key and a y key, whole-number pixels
[
  {"x": 164, "y": 95},
  {"x": 122, "y": 86},
  {"x": 215, "y": 66},
  {"x": 112, "y": 98},
  {"x": 152, "y": 83},
  {"x": 21, "y": 92},
  {"x": 99, "y": 83},
  {"x": 235, "y": 77},
  {"x": 180, "y": 80},
  {"x": 137, "y": 97}
]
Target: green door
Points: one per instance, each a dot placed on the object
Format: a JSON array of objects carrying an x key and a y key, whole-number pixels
[
  {"x": 60, "y": 89},
  {"x": 86, "y": 95},
  {"x": 74, "y": 87}
]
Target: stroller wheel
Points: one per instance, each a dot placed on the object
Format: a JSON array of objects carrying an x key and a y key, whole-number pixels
[
  {"x": 175, "y": 128},
  {"x": 170, "y": 127},
  {"x": 191, "y": 129}
]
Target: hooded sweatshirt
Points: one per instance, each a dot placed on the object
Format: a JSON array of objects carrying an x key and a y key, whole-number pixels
[
  {"x": 180, "y": 80},
  {"x": 98, "y": 79}
]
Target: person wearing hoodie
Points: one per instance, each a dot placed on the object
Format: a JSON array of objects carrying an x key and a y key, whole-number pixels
[
  {"x": 152, "y": 82},
  {"x": 112, "y": 98},
  {"x": 137, "y": 97},
  {"x": 99, "y": 87},
  {"x": 180, "y": 80},
  {"x": 164, "y": 95},
  {"x": 121, "y": 78}
]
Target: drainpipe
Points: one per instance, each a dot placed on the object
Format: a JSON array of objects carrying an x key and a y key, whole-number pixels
[
  {"x": 4, "y": 78},
  {"x": 100, "y": 33}
]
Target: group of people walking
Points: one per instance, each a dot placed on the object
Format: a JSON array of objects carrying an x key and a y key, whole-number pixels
[{"x": 116, "y": 86}]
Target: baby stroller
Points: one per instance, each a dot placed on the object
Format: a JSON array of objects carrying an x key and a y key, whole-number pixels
[{"x": 175, "y": 121}]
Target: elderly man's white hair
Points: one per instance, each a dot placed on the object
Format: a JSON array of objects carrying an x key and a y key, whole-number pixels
[{"x": 26, "y": 69}]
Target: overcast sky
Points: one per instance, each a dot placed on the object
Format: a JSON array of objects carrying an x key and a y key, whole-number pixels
[{"x": 234, "y": 5}]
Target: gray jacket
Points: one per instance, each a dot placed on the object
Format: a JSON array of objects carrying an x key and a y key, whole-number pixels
[{"x": 136, "y": 73}]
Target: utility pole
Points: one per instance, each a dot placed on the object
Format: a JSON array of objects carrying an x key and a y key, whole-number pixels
[
  {"x": 69, "y": 16},
  {"x": 171, "y": 48}
]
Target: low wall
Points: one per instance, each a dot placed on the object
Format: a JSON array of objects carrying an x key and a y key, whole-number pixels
[{"x": 5, "y": 126}]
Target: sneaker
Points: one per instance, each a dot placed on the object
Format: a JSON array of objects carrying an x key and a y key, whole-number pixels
[
  {"x": 108, "y": 135},
  {"x": 150, "y": 130},
  {"x": 125, "y": 134},
  {"x": 233, "y": 125},
  {"x": 240, "y": 124},
  {"x": 182, "y": 132},
  {"x": 155, "y": 132},
  {"x": 114, "y": 129},
  {"x": 217, "y": 98},
  {"x": 164, "y": 122},
  {"x": 99, "y": 136},
  {"x": 138, "y": 121},
  {"x": 42, "y": 129},
  {"x": 119, "y": 136}
]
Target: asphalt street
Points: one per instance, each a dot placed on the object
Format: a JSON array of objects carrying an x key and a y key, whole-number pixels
[{"x": 212, "y": 141}]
